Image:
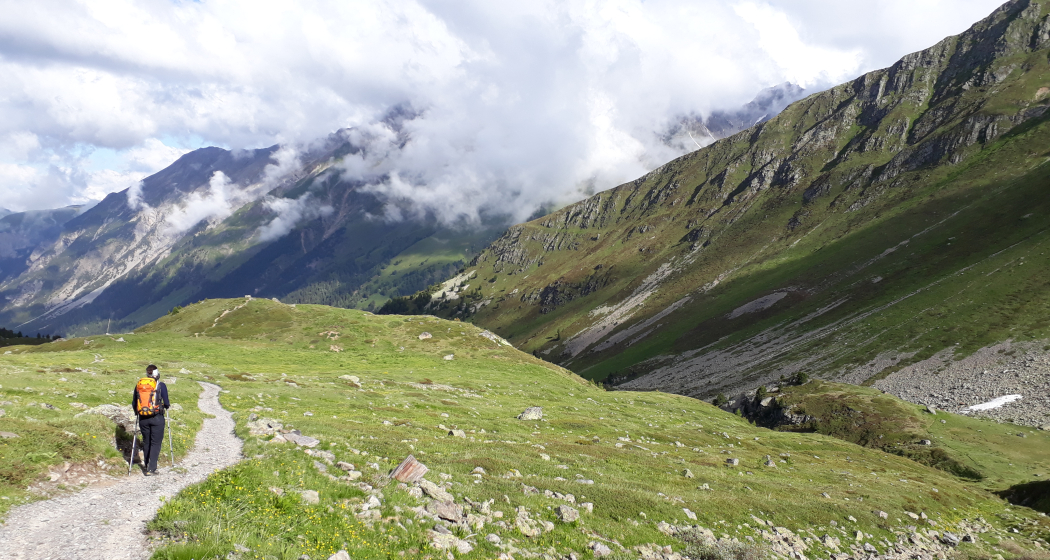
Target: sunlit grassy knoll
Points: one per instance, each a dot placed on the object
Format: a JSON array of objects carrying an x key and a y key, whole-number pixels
[{"x": 995, "y": 456}]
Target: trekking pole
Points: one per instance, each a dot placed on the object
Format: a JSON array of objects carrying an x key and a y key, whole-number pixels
[
  {"x": 171, "y": 448},
  {"x": 131, "y": 460}
]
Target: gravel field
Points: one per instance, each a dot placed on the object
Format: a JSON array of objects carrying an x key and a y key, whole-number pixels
[
  {"x": 993, "y": 372},
  {"x": 107, "y": 521}
]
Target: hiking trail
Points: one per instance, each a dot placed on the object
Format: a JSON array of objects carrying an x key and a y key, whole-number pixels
[{"x": 108, "y": 521}]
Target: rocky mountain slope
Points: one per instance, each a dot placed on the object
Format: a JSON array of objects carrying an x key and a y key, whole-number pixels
[
  {"x": 219, "y": 223},
  {"x": 865, "y": 228}
]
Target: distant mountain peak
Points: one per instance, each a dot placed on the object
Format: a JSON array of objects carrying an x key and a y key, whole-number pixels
[{"x": 692, "y": 132}]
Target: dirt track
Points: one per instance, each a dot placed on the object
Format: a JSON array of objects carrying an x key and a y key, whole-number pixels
[{"x": 107, "y": 521}]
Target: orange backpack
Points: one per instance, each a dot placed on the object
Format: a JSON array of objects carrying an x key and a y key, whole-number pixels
[{"x": 146, "y": 405}]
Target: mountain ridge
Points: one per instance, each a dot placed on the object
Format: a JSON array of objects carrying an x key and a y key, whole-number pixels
[{"x": 697, "y": 267}]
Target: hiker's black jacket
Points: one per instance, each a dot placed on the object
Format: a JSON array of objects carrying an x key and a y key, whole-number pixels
[{"x": 162, "y": 395}]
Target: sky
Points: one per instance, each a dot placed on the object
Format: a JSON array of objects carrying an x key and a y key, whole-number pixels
[{"x": 512, "y": 104}]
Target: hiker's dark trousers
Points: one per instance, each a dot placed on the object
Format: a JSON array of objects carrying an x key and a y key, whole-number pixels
[{"x": 152, "y": 437}]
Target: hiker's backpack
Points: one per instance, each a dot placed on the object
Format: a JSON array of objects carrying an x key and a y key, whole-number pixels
[{"x": 146, "y": 405}]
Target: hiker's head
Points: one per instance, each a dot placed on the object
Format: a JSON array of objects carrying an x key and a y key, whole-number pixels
[{"x": 152, "y": 371}]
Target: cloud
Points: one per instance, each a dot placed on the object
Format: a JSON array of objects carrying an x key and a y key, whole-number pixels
[
  {"x": 134, "y": 195},
  {"x": 512, "y": 105},
  {"x": 289, "y": 213},
  {"x": 219, "y": 201}
]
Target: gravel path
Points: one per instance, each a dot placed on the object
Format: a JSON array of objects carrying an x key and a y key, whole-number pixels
[{"x": 108, "y": 521}]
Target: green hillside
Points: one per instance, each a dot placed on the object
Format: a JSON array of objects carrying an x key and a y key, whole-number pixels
[
  {"x": 864, "y": 228},
  {"x": 373, "y": 392}
]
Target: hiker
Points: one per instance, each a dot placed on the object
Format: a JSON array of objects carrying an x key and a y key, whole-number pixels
[{"x": 149, "y": 401}]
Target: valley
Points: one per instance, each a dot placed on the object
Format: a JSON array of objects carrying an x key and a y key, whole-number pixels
[{"x": 353, "y": 394}]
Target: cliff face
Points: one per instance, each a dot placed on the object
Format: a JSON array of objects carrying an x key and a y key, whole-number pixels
[{"x": 806, "y": 242}]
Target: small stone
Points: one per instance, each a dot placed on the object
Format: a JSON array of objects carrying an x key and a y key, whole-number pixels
[
  {"x": 600, "y": 549},
  {"x": 950, "y": 539},
  {"x": 687, "y": 473},
  {"x": 732, "y": 462},
  {"x": 425, "y": 335},
  {"x": 310, "y": 496},
  {"x": 276, "y": 490},
  {"x": 689, "y": 513},
  {"x": 449, "y": 357},
  {"x": 492, "y": 538},
  {"x": 531, "y": 413},
  {"x": 883, "y": 514},
  {"x": 478, "y": 470},
  {"x": 825, "y": 495},
  {"x": 457, "y": 433},
  {"x": 344, "y": 466},
  {"x": 341, "y": 555},
  {"x": 587, "y": 506},
  {"x": 925, "y": 442},
  {"x": 8, "y": 435}
]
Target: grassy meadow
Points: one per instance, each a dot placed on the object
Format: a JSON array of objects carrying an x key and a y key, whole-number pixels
[{"x": 625, "y": 453}]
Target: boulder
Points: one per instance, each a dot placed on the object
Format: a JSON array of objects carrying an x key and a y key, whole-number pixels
[
  {"x": 305, "y": 441},
  {"x": 434, "y": 491},
  {"x": 531, "y": 413},
  {"x": 446, "y": 510},
  {"x": 263, "y": 426},
  {"x": 600, "y": 549},
  {"x": 410, "y": 470},
  {"x": 122, "y": 416},
  {"x": 444, "y": 541},
  {"x": 567, "y": 514}
]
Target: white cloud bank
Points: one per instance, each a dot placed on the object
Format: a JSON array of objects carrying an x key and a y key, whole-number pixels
[{"x": 514, "y": 104}]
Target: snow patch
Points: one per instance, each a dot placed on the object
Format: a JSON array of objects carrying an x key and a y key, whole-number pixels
[{"x": 994, "y": 403}]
